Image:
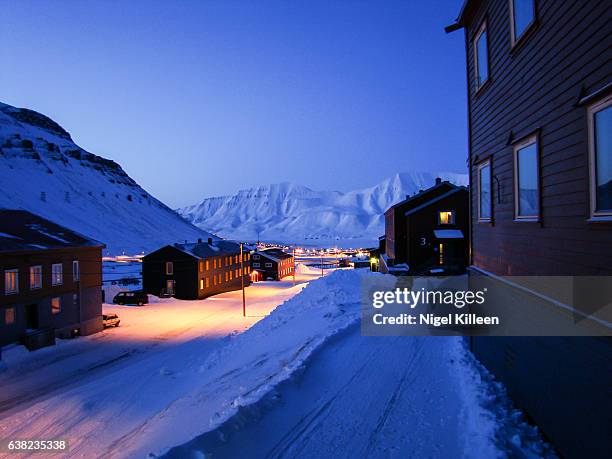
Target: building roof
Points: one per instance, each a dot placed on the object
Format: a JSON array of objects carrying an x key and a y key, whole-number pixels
[
  {"x": 460, "y": 21},
  {"x": 274, "y": 254},
  {"x": 205, "y": 250},
  {"x": 428, "y": 203},
  {"x": 23, "y": 231},
  {"x": 421, "y": 196}
]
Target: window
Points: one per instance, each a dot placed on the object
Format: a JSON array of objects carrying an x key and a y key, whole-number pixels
[
  {"x": 522, "y": 16},
  {"x": 255, "y": 256},
  {"x": 201, "y": 284},
  {"x": 57, "y": 274},
  {"x": 481, "y": 56},
  {"x": 207, "y": 265},
  {"x": 201, "y": 266},
  {"x": 9, "y": 316},
  {"x": 441, "y": 254},
  {"x": 268, "y": 265},
  {"x": 169, "y": 267},
  {"x": 75, "y": 299},
  {"x": 484, "y": 191},
  {"x": 214, "y": 279},
  {"x": 35, "y": 277},
  {"x": 526, "y": 177},
  {"x": 600, "y": 150},
  {"x": 56, "y": 305},
  {"x": 256, "y": 265},
  {"x": 207, "y": 282},
  {"x": 446, "y": 217},
  {"x": 11, "y": 281},
  {"x": 214, "y": 263},
  {"x": 76, "y": 271},
  {"x": 226, "y": 276}
]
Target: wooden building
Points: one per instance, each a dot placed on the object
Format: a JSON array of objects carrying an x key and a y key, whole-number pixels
[
  {"x": 50, "y": 282},
  {"x": 427, "y": 233},
  {"x": 271, "y": 264},
  {"x": 197, "y": 270},
  {"x": 540, "y": 128}
]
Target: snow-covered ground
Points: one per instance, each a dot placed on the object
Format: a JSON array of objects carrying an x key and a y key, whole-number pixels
[{"x": 175, "y": 370}]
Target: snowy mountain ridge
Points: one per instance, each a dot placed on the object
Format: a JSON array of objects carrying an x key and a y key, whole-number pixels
[
  {"x": 43, "y": 171},
  {"x": 286, "y": 212}
]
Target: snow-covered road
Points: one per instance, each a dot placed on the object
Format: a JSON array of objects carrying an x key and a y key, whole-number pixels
[
  {"x": 122, "y": 376},
  {"x": 377, "y": 397}
]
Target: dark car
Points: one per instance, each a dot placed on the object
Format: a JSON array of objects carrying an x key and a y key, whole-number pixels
[
  {"x": 133, "y": 297},
  {"x": 110, "y": 320}
]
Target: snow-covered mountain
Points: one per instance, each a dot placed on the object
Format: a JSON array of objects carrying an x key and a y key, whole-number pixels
[
  {"x": 292, "y": 213},
  {"x": 43, "y": 171}
]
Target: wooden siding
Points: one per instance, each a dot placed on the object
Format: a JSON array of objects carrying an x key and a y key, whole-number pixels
[{"x": 534, "y": 88}]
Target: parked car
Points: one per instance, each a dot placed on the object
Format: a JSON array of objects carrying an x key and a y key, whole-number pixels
[
  {"x": 110, "y": 320},
  {"x": 132, "y": 297}
]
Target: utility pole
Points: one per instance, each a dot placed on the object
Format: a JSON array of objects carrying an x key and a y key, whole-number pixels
[
  {"x": 242, "y": 280},
  {"x": 321, "y": 264},
  {"x": 294, "y": 266}
]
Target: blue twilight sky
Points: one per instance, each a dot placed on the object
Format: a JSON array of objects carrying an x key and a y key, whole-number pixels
[{"x": 202, "y": 98}]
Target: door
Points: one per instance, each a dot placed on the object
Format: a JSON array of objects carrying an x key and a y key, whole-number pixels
[
  {"x": 31, "y": 316},
  {"x": 170, "y": 287}
]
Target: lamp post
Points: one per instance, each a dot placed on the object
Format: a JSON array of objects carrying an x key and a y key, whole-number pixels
[
  {"x": 242, "y": 280},
  {"x": 294, "y": 265}
]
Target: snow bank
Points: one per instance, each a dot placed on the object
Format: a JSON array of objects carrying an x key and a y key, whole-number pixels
[{"x": 253, "y": 362}]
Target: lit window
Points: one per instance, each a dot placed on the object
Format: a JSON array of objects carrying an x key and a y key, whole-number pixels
[
  {"x": 169, "y": 267},
  {"x": 481, "y": 56},
  {"x": 201, "y": 266},
  {"x": 441, "y": 254},
  {"x": 57, "y": 274},
  {"x": 446, "y": 217},
  {"x": 526, "y": 188},
  {"x": 231, "y": 273},
  {"x": 56, "y": 305},
  {"x": 484, "y": 191},
  {"x": 522, "y": 15},
  {"x": 214, "y": 279},
  {"x": 207, "y": 282},
  {"x": 207, "y": 265},
  {"x": 35, "y": 277},
  {"x": 11, "y": 281},
  {"x": 201, "y": 284},
  {"x": 9, "y": 316},
  {"x": 76, "y": 271},
  {"x": 214, "y": 263},
  {"x": 600, "y": 149}
]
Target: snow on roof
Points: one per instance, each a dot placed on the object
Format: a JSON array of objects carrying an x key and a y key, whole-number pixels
[
  {"x": 206, "y": 250},
  {"x": 448, "y": 234},
  {"x": 22, "y": 230}
]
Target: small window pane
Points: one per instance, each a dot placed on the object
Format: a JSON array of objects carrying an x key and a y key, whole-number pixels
[
  {"x": 527, "y": 166},
  {"x": 57, "y": 274},
  {"x": 11, "y": 281},
  {"x": 482, "y": 58},
  {"x": 446, "y": 218},
  {"x": 35, "y": 277},
  {"x": 523, "y": 16},
  {"x": 603, "y": 159},
  {"x": 56, "y": 305},
  {"x": 485, "y": 191},
  {"x": 76, "y": 271},
  {"x": 9, "y": 316}
]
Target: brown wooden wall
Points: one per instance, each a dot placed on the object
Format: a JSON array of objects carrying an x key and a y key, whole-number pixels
[{"x": 535, "y": 88}]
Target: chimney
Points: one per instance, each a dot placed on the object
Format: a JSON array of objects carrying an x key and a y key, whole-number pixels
[
  {"x": 199, "y": 240},
  {"x": 438, "y": 180},
  {"x": 210, "y": 241}
]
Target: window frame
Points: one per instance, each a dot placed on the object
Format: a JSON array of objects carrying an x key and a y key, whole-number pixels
[
  {"x": 76, "y": 273},
  {"x": 13, "y": 310},
  {"x": 481, "y": 29},
  {"x": 451, "y": 221},
  {"x": 514, "y": 39},
  {"x": 592, "y": 109},
  {"x": 54, "y": 281},
  {"x": 521, "y": 144},
  {"x": 40, "y": 278},
  {"x": 256, "y": 265},
  {"x": 481, "y": 165},
  {"x": 268, "y": 265},
  {"x": 55, "y": 311},
  {"x": 16, "y": 290},
  {"x": 169, "y": 272}
]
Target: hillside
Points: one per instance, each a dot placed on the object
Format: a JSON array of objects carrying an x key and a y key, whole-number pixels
[{"x": 43, "y": 171}]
